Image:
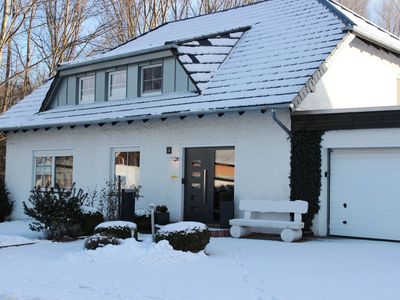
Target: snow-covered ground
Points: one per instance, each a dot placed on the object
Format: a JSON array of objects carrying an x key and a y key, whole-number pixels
[{"x": 234, "y": 269}]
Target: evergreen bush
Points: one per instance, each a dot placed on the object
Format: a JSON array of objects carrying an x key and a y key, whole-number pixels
[
  {"x": 99, "y": 241},
  {"x": 6, "y": 205},
  {"x": 90, "y": 219},
  {"x": 185, "y": 236},
  {"x": 117, "y": 229},
  {"x": 56, "y": 212}
]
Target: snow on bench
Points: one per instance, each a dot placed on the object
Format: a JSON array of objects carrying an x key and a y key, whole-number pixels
[{"x": 292, "y": 230}]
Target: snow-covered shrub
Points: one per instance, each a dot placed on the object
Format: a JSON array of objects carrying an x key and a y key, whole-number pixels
[
  {"x": 91, "y": 217},
  {"x": 117, "y": 229},
  {"x": 98, "y": 241},
  {"x": 143, "y": 220},
  {"x": 56, "y": 212},
  {"x": 6, "y": 205},
  {"x": 185, "y": 236}
]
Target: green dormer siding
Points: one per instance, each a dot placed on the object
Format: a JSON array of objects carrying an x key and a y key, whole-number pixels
[{"x": 175, "y": 79}]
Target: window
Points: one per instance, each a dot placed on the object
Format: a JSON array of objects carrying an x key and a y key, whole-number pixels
[
  {"x": 127, "y": 168},
  {"x": 50, "y": 169},
  {"x": 117, "y": 85},
  {"x": 152, "y": 79},
  {"x": 86, "y": 89}
]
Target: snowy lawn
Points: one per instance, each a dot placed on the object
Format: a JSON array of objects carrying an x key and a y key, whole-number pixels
[{"x": 234, "y": 269}]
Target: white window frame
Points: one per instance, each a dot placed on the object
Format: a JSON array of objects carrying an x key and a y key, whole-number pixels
[
  {"x": 53, "y": 154},
  {"x": 80, "y": 88},
  {"x": 142, "y": 80},
  {"x": 109, "y": 84},
  {"x": 114, "y": 150}
]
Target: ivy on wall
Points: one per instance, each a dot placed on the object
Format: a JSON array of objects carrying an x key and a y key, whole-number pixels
[{"x": 305, "y": 174}]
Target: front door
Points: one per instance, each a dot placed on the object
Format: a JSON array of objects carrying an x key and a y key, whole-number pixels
[{"x": 208, "y": 172}]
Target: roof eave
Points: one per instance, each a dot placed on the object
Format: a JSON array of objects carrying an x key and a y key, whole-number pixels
[{"x": 283, "y": 105}]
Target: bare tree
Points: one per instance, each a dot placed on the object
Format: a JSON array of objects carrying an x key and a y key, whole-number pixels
[
  {"x": 358, "y": 6},
  {"x": 63, "y": 36},
  {"x": 388, "y": 12},
  {"x": 13, "y": 14}
]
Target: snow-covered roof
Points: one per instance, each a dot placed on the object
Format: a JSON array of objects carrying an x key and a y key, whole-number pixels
[{"x": 249, "y": 57}]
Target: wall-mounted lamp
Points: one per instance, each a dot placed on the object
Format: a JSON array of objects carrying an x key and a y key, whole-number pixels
[{"x": 174, "y": 158}]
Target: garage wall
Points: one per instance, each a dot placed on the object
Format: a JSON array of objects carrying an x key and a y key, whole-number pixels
[
  {"x": 363, "y": 138},
  {"x": 262, "y": 155},
  {"x": 358, "y": 75}
]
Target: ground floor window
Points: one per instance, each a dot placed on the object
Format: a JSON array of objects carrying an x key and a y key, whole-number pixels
[
  {"x": 127, "y": 168},
  {"x": 51, "y": 170}
]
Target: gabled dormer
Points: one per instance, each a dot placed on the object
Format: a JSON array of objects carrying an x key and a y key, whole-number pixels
[{"x": 179, "y": 66}]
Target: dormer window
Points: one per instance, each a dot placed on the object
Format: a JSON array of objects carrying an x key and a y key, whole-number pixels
[
  {"x": 152, "y": 79},
  {"x": 86, "y": 89},
  {"x": 117, "y": 85}
]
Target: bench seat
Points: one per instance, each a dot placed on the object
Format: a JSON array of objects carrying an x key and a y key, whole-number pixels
[
  {"x": 291, "y": 229},
  {"x": 266, "y": 223}
]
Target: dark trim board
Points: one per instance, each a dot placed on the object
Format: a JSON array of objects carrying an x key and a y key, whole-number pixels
[{"x": 303, "y": 121}]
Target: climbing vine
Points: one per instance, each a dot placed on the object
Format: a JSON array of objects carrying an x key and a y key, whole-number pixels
[{"x": 305, "y": 174}]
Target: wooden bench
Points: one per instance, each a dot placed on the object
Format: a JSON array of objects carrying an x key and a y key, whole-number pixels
[{"x": 291, "y": 230}]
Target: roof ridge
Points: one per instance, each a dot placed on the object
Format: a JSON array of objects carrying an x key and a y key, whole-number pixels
[
  {"x": 336, "y": 12},
  {"x": 189, "y": 18}
]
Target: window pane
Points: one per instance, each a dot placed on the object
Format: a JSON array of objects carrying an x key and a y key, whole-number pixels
[
  {"x": 157, "y": 84},
  {"x": 63, "y": 174},
  {"x": 147, "y": 73},
  {"x": 117, "y": 81},
  {"x": 86, "y": 89},
  {"x": 147, "y": 86},
  {"x": 157, "y": 72},
  {"x": 43, "y": 171},
  {"x": 127, "y": 168}
]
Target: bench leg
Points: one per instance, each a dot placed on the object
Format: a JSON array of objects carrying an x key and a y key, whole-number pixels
[
  {"x": 239, "y": 231},
  {"x": 291, "y": 235}
]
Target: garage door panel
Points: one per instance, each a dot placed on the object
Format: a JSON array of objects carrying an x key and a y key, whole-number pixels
[{"x": 367, "y": 181}]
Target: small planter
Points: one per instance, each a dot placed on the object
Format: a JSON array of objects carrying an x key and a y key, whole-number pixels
[{"x": 161, "y": 218}]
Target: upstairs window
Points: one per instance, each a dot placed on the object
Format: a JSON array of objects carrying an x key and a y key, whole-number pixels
[
  {"x": 86, "y": 89},
  {"x": 117, "y": 85},
  {"x": 152, "y": 79}
]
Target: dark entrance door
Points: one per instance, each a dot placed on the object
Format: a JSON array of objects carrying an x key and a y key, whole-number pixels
[
  {"x": 199, "y": 185},
  {"x": 209, "y": 183}
]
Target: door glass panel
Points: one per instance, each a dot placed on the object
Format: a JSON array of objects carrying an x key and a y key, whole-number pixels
[
  {"x": 224, "y": 178},
  {"x": 196, "y": 163},
  {"x": 195, "y": 186},
  {"x": 196, "y": 174},
  {"x": 127, "y": 168}
]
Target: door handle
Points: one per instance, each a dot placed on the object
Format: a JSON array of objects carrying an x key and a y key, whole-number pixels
[{"x": 205, "y": 186}]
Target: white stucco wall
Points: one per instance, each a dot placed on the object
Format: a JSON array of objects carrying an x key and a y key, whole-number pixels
[
  {"x": 358, "y": 75},
  {"x": 262, "y": 155},
  {"x": 363, "y": 138}
]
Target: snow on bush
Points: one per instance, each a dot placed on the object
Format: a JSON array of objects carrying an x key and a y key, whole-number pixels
[
  {"x": 99, "y": 241},
  {"x": 185, "y": 236},
  {"x": 91, "y": 217},
  {"x": 117, "y": 229},
  {"x": 132, "y": 254}
]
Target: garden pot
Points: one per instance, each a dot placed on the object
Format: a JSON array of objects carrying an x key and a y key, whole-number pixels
[{"x": 161, "y": 218}]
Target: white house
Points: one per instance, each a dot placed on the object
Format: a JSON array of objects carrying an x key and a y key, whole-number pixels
[{"x": 212, "y": 102}]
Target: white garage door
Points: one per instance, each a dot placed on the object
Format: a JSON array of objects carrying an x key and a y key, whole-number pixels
[{"x": 365, "y": 193}]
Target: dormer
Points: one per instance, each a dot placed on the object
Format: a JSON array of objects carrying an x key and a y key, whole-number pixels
[{"x": 181, "y": 66}]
